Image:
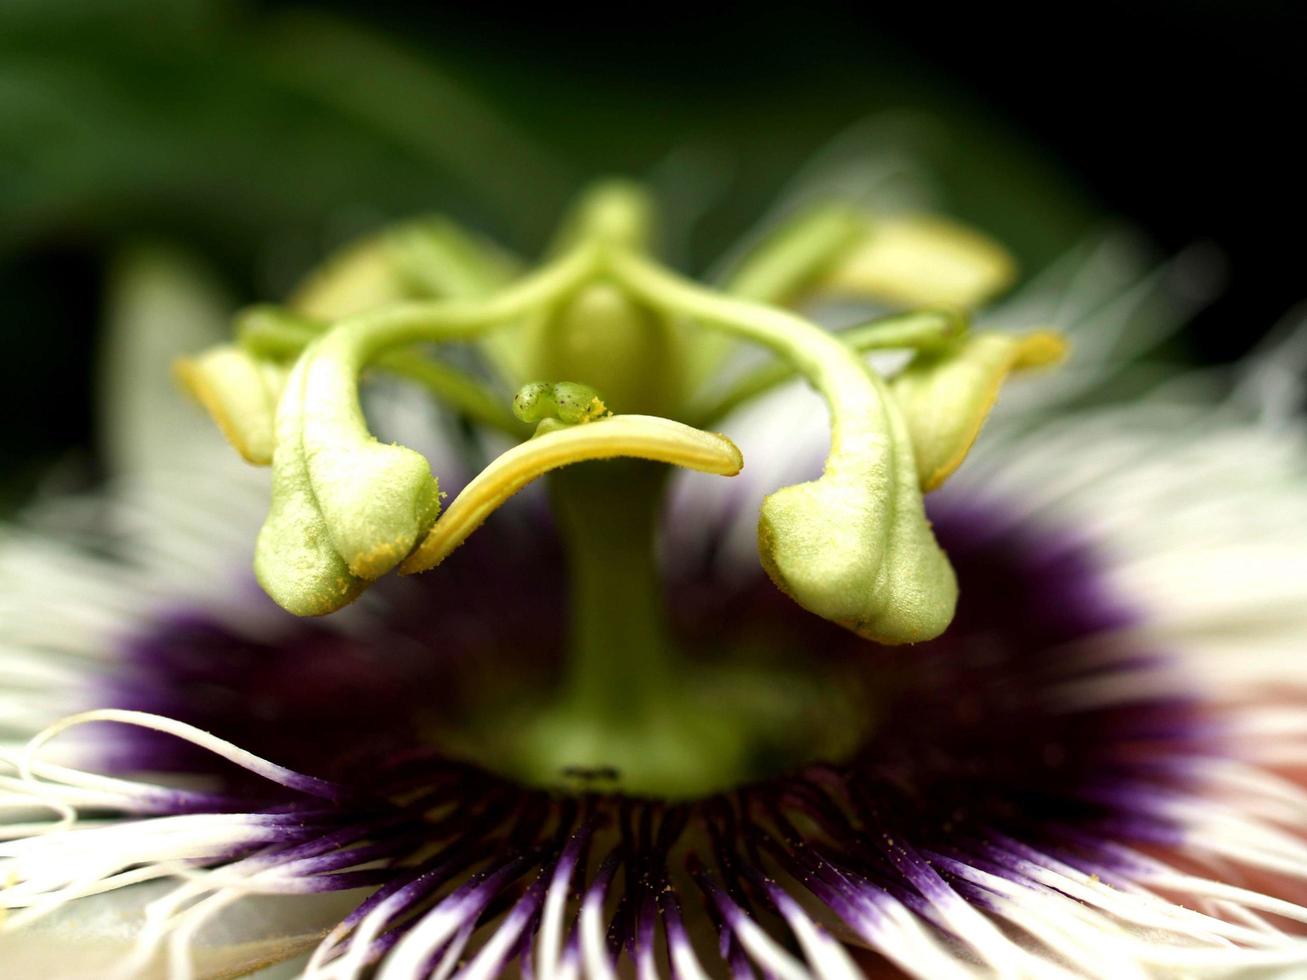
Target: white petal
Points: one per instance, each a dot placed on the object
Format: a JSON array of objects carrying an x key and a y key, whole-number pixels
[
  {"x": 162, "y": 305},
  {"x": 89, "y": 938}
]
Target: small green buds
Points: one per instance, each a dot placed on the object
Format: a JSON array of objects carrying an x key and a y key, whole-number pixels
[
  {"x": 240, "y": 393},
  {"x": 566, "y": 401}
]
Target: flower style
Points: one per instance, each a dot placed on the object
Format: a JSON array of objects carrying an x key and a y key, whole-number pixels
[{"x": 1068, "y": 749}]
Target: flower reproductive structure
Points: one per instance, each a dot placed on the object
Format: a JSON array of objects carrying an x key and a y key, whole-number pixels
[{"x": 693, "y": 703}]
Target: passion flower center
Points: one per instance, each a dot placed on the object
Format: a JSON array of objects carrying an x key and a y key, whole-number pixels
[
  {"x": 633, "y": 711},
  {"x": 851, "y": 546}
]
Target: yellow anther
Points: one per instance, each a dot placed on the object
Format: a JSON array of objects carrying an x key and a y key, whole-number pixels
[{"x": 636, "y": 436}]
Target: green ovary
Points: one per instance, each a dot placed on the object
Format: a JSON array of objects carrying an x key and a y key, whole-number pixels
[{"x": 602, "y": 337}]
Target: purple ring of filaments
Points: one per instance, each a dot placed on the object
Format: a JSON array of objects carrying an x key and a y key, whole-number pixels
[{"x": 976, "y": 760}]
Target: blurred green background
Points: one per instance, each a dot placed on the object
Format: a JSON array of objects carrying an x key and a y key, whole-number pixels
[{"x": 258, "y": 135}]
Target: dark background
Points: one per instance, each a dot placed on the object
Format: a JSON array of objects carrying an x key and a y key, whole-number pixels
[{"x": 256, "y": 133}]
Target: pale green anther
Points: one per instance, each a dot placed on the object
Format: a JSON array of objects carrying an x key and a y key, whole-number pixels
[
  {"x": 902, "y": 260},
  {"x": 377, "y": 499},
  {"x": 240, "y": 393},
  {"x": 853, "y": 546},
  {"x": 295, "y": 560},
  {"x": 946, "y": 394},
  {"x": 564, "y": 401},
  {"x": 920, "y": 260}
]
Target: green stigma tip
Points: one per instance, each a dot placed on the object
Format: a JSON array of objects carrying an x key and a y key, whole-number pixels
[{"x": 566, "y": 401}]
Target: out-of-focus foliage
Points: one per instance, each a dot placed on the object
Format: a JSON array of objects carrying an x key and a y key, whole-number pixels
[
  {"x": 201, "y": 116},
  {"x": 226, "y": 120},
  {"x": 259, "y": 136}
]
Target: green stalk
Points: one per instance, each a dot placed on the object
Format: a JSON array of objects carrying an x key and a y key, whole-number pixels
[
  {"x": 627, "y": 712},
  {"x": 620, "y": 664}
]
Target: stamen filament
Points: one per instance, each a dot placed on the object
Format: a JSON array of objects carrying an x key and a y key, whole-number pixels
[
  {"x": 794, "y": 255},
  {"x": 281, "y": 336},
  {"x": 636, "y": 436},
  {"x": 467, "y": 395},
  {"x": 353, "y": 342},
  {"x": 854, "y": 396},
  {"x": 918, "y": 330},
  {"x": 781, "y": 267}
]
